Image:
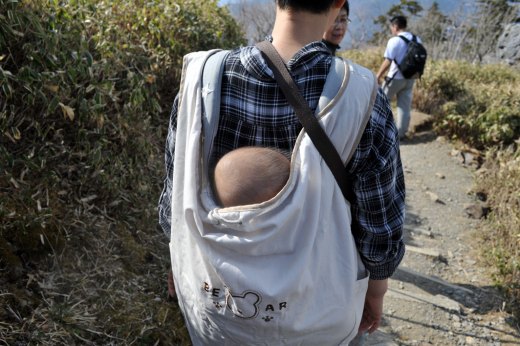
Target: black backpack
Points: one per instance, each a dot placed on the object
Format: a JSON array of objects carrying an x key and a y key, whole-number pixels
[{"x": 412, "y": 65}]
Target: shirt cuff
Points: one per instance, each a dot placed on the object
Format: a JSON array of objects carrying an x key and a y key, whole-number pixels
[{"x": 385, "y": 270}]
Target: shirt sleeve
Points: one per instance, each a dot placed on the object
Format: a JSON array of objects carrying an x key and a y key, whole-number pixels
[
  {"x": 378, "y": 207},
  {"x": 166, "y": 196},
  {"x": 391, "y": 48}
]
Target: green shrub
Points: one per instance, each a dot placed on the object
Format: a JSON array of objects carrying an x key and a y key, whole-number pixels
[
  {"x": 479, "y": 105},
  {"x": 85, "y": 92}
]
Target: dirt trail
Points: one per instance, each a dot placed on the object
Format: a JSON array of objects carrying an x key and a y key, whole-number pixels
[{"x": 441, "y": 294}]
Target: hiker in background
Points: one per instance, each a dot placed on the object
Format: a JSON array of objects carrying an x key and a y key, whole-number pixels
[
  {"x": 253, "y": 112},
  {"x": 336, "y": 32},
  {"x": 250, "y": 175},
  {"x": 395, "y": 83}
]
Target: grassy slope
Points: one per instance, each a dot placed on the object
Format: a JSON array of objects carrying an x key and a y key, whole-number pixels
[{"x": 85, "y": 92}]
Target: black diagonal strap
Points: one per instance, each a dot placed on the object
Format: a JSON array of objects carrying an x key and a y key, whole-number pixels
[{"x": 311, "y": 125}]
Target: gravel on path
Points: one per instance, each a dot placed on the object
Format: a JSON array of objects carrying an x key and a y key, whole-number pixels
[{"x": 441, "y": 294}]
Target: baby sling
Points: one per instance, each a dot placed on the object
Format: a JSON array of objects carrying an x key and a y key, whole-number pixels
[{"x": 281, "y": 272}]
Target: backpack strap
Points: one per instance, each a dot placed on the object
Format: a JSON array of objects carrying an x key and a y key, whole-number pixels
[
  {"x": 211, "y": 86},
  {"x": 407, "y": 40},
  {"x": 414, "y": 39}
]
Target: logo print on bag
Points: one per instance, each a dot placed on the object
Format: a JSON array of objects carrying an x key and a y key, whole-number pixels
[{"x": 245, "y": 305}]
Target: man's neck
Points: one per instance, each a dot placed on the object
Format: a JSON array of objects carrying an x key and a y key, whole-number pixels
[{"x": 292, "y": 31}]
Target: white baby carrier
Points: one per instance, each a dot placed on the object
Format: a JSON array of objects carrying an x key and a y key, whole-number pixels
[{"x": 282, "y": 272}]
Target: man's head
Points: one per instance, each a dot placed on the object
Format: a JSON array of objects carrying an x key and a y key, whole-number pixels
[
  {"x": 313, "y": 6},
  {"x": 398, "y": 23},
  {"x": 336, "y": 31}
]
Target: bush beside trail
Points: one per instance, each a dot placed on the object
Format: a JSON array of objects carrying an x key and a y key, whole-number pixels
[
  {"x": 477, "y": 104},
  {"x": 85, "y": 92},
  {"x": 499, "y": 181}
]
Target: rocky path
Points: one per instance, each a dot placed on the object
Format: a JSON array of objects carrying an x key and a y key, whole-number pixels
[{"x": 441, "y": 294}]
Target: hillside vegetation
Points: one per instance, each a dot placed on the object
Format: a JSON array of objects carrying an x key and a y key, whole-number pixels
[
  {"x": 86, "y": 88},
  {"x": 85, "y": 92}
]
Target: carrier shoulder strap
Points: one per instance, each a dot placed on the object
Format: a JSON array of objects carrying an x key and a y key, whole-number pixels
[
  {"x": 211, "y": 86},
  {"x": 309, "y": 122}
]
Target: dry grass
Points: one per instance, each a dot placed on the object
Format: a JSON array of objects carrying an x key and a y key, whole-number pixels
[
  {"x": 370, "y": 57},
  {"x": 499, "y": 180},
  {"x": 107, "y": 286}
]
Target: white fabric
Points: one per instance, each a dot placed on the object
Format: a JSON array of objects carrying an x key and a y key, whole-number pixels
[
  {"x": 283, "y": 272},
  {"x": 395, "y": 51}
]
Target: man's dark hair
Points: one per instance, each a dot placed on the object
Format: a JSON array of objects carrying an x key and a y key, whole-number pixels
[
  {"x": 400, "y": 21},
  {"x": 312, "y": 6},
  {"x": 345, "y": 6}
]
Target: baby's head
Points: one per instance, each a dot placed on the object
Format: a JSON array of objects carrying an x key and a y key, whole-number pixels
[{"x": 250, "y": 175}]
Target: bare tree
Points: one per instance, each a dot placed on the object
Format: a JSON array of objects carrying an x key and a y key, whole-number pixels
[
  {"x": 256, "y": 18},
  {"x": 360, "y": 30},
  {"x": 469, "y": 33},
  {"x": 441, "y": 34},
  {"x": 431, "y": 26}
]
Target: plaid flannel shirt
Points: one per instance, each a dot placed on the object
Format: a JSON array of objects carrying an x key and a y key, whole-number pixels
[{"x": 254, "y": 112}]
